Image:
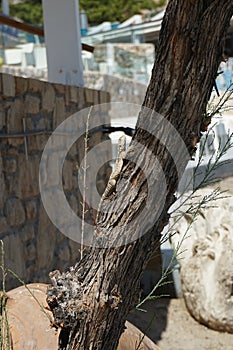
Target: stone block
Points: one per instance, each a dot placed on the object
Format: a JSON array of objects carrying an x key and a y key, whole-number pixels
[
  {"x": 89, "y": 95},
  {"x": 31, "y": 209},
  {"x": 60, "y": 239},
  {"x": 73, "y": 151},
  {"x": 52, "y": 170},
  {"x": 14, "y": 255},
  {"x": 73, "y": 94},
  {"x": 37, "y": 142},
  {"x": 104, "y": 101},
  {"x": 59, "y": 111},
  {"x": 31, "y": 274},
  {"x": 68, "y": 175},
  {"x": 29, "y": 124},
  {"x": 21, "y": 85},
  {"x": 14, "y": 212},
  {"x": 32, "y": 104},
  {"x": 10, "y": 165},
  {"x": 43, "y": 124},
  {"x": 81, "y": 97},
  {"x": 74, "y": 251},
  {"x": 67, "y": 95},
  {"x": 2, "y": 116},
  {"x": 28, "y": 186},
  {"x": 15, "y": 141},
  {"x": 45, "y": 241},
  {"x": 11, "y": 184},
  {"x": 15, "y": 116},
  {"x": 8, "y": 84},
  {"x": 63, "y": 252},
  {"x": 96, "y": 97},
  {"x": 2, "y": 184},
  {"x": 3, "y": 225},
  {"x": 30, "y": 252},
  {"x": 48, "y": 97},
  {"x": 35, "y": 85},
  {"x": 73, "y": 203},
  {"x": 27, "y": 233},
  {"x": 59, "y": 88},
  {"x": 95, "y": 139}
]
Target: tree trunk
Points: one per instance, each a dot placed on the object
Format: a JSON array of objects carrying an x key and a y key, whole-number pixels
[{"x": 90, "y": 303}]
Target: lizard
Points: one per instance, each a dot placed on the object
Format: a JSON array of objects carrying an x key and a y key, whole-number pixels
[
  {"x": 112, "y": 182},
  {"x": 111, "y": 186}
]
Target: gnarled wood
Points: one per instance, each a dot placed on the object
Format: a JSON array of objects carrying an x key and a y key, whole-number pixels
[
  {"x": 30, "y": 327},
  {"x": 90, "y": 303}
]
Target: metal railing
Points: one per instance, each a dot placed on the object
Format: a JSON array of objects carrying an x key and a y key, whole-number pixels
[{"x": 32, "y": 29}]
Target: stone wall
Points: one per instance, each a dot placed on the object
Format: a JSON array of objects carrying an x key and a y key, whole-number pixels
[
  {"x": 121, "y": 89},
  {"x": 33, "y": 246},
  {"x": 26, "y": 72}
]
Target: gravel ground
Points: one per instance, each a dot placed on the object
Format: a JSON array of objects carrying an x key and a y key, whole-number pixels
[{"x": 169, "y": 325}]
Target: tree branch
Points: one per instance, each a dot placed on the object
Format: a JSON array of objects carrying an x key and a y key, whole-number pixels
[{"x": 90, "y": 302}]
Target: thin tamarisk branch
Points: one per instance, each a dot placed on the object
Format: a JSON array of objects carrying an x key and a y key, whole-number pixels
[{"x": 85, "y": 167}]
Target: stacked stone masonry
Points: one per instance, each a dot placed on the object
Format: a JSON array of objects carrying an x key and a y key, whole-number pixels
[
  {"x": 33, "y": 245},
  {"x": 121, "y": 89}
]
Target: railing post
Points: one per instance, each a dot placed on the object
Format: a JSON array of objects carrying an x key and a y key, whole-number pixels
[
  {"x": 63, "y": 41},
  {"x": 5, "y": 7}
]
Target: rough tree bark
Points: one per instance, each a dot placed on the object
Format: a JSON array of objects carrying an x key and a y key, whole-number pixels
[{"x": 90, "y": 303}]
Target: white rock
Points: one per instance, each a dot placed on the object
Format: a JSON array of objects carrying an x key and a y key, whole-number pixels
[{"x": 206, "y": 261}]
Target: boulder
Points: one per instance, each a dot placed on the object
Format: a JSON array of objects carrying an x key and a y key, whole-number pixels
[{"x": 206, "y": 259}]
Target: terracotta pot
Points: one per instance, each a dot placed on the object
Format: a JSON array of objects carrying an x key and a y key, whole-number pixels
[
  {"x": 30, "y": 327},
  {"x": 132, "y": 337}
]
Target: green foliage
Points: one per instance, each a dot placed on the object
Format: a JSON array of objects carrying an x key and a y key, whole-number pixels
[
  {"x": 115, "y": 10},
  {"x": 29, "y": 12},
  {"x": 97, "y": 11}
]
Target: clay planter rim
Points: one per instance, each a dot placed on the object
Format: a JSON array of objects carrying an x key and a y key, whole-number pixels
[{"x": 30, "y": 328}]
